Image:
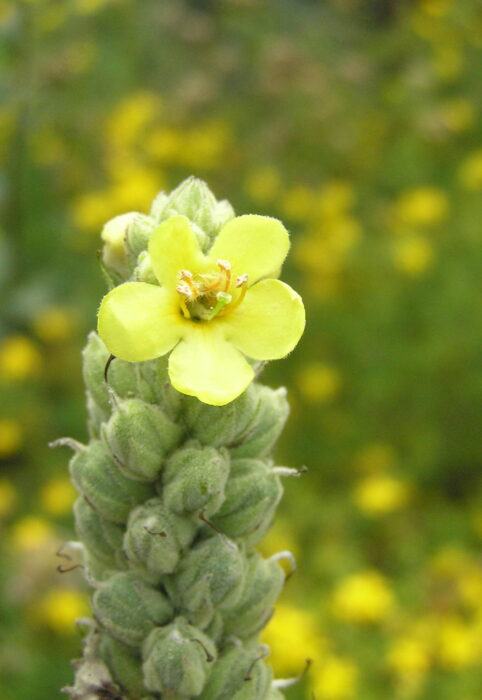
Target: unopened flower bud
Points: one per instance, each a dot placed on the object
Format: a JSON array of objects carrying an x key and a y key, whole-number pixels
[
  {"x": 139, "y": 435},
  {"x": 122, "y": 375},
  {"x": 251, "y": 496},
  {"x": 139, "y": 231},
  {"x": 124, "y": 663},
  {"x": 177, "y": 660},
  {"x": 114, "y": 252},
  {"x": 101, "y": 537},
  {"x": 211, "y": 575},
  {"x": 271, "y": 414},
  {"x": 221, "y": 425},
  {"x": 263, "y": 584},
  {"x": 239, "y": 673},
  {"x": 155, "y": 538},
  {"x": 128, "y": 608},
  {"x": 97, "y": 477},
  {"x": 194, "y": 479}
]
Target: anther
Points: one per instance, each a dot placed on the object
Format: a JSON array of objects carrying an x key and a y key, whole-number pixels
[
  {"x": 184, "y": 275},
  {"x": 241, "y": 279}
]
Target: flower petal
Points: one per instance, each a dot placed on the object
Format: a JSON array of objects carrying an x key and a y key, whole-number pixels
[
  {"x": 256, "y": 245},
  {"x": 139, "y": 321},
  {"x": 206, "y": 366},
  {"x": 173, "y": 247},
  {"x": 268, "y": 323}
]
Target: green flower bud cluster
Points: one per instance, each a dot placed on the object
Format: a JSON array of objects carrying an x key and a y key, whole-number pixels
[{"x": 174, "y": 495}]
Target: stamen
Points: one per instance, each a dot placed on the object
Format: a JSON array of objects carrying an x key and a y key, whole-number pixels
[
  {"x": 241, "y": 283},
  {"x": 184, "y": 291},
  {"x": 225, "y": 266}
]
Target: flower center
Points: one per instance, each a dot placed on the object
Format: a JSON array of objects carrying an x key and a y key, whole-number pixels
[{"x": 204, "y": 296}]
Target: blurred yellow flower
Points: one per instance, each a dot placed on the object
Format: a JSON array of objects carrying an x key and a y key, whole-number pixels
[
  {"x": 60, "y": 608},
  {"x": 10, "y": 437},
  {"x": 19, "y": 358},
  {"x": 8, "y": 497},
  {"x": 57, "y": 496},
  {"x": 457, "y": 644},
  {"x": 470, "y": 172},
  {"x": 412, "y": 255},
  {"x": 334, "y": 199},
  {"x": 298, "y": 202},
  {"x": 165, "y": 143},
  {"x": 206, "y": 146},
  {"x": 263, "y": 184},
  {"x": 422, "y": 206},
  {"x": 458, "y": 114},
  {"x": 32, "y": 533},
  {"x": 380, "y": 494},
  {"x": 335, "y": 678},
  {"x": 408, "y": 657},
  {"x": 319, "y": 382},
  {"x": 436, "y": 8},
  {"x": 92, "y": 209},
  {"x": 448, "y": 61},
  {"x": 375, "y": 457},
  {"x": 293, "y": 636},
  {"x": 362, "y": 598},
  {"x": 128, "y": 121},
  {"x": 54, "y": 324}
]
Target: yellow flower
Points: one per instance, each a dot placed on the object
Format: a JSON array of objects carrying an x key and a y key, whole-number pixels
[
  {"x": 335, "y": 679},
  {"x": 413, "y": 255},
  {"x": 458, "y": 644},
  {"x": 458, "y": 114},
  {"x": 19, "y": 358},
  {"x": 362, "y": 598},
  {"x": 57, "y": 496},
  {"x": 408, "y": 657},
  {"x": 335, "y": 198},
  {"x": 60, "y": 608},
  {"x": 292, "y": 637},
  {"x": 10, "y": 437},
  {"x": 422, "y": 206},
  {"x": 32, "y": 533},
  {"x": 380, "y": 494},
  {"x": 210, "y": 310},
  {"x": 262, "y": 185},
  {"x": 319, "y": 382},
  {"x": 470, "y": 173},
  {"x": 8, "y": 497},
  {"x": 54, "y": 324}
]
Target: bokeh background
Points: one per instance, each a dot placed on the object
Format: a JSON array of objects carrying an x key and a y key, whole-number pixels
[{"x": 358, "y": 124}]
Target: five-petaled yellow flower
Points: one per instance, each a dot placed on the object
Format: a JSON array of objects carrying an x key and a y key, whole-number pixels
[{"x": 210, "y": 309}]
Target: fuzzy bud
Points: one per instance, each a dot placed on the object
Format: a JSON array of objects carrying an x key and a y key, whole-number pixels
[
  {"x": 194, "y": 479},
  {"x": 95, "y": 474},
  {"x": 122, "y": 375},
  {"x": 221, "y": 425},
  {"x": 239, "y": 673},
  {"x": 252, "y": 494},
  {"x": 263, "y": 584},
  {"x": 124, "y": 663},
  {"x": 102, "y": 538},
  {"x": 128, "y": 608},
  {"x": 271, "y": 415},
  {"x": 114, "y": 252},
  {"x": 211, "y": 575},
  {"x": 139, "y": 231},
  {"x": 194, "y": 199},
  {"x": 178, "y": 658},
  {"x": 155, "y": 538},
  {"x": 139, "y": 436}
]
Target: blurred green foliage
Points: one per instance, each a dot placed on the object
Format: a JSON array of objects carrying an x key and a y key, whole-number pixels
[{"x": 358, "y": 124}]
